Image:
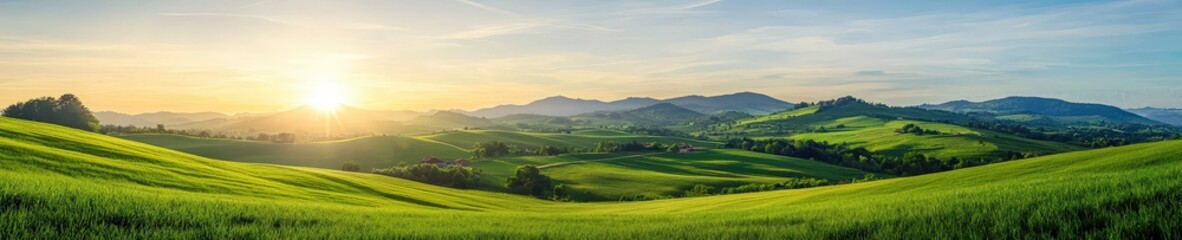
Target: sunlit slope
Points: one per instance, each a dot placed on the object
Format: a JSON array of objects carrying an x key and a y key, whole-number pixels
[
  {"x": 597, "y": 177},
  {"x": 43, "y": 152},
  {"x": 533, "y": 140},
  {"x": 369, "y": 152},
  {"x": 873, "y": 127},
  {"x": 65, "y": 184},
  {"x": 385, "y": 151}
]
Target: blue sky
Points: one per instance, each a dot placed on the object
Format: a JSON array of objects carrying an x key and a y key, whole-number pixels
[{"x": 235, "y": 56}]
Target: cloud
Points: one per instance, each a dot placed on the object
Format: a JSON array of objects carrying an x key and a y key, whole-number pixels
[{"x": 232, "y": 15}]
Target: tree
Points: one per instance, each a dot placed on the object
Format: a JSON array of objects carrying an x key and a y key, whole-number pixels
[
  {"x": 528, "y": 180},
  {"x": 351, "y": 166},
  {"x": 699, "y": 190},
  {"x": 67, "y": 111}
]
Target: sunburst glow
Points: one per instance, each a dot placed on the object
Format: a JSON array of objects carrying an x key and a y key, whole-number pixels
[{"x": 325, "y": 96}]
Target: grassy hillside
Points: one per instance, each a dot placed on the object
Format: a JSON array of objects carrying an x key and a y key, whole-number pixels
[
  {"x": 597, "y": 177},
  {"x": 369, "y": 152},
  {"x": 65, "y": 184},
  {"x": 533, "y": 140},
  {"x": 873, "y": 127},
  {"x": 384, "y": 151}
]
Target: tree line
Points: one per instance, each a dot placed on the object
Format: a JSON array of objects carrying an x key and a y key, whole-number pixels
[
  {"x": 66, "y": 110},
  {"x": 450, "y": 176},
  {"x": 911, "y": 163}
]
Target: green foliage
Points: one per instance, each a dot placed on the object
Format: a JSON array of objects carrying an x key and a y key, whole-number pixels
[
  {"x": 632, "y": 146},
  {"x": 66, "y": 111},
  {"x": 351, "y": 166},
  {"x": 699, "y": 190},
  {"x": 528, "y": 180},
  {"x": 911, "y": 128},
  {"x": 450, "y": 176},
  {"x": 793, "y": 183}
]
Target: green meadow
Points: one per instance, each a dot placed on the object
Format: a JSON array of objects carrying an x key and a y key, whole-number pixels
[
  {"x": 874, "y": 128},
  {"x": 600, "y": 177},
  {"x": 66, "y": 184},
  {"x": 385, "y": 151}
]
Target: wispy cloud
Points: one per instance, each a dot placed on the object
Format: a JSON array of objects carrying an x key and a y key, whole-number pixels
[{"x": 232, "y": 15}]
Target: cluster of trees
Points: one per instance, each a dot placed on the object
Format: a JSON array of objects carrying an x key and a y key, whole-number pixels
[
  {"x": 633, "y": 146},
  {"x": 351, "y": 166},
  {"x": 793, "y": 183},
  {"x": 827, "y": 104},
  {"x": 608, "y": 146},
  {"x": 500, "y": 149},
  {"x": 66, "y": 110},
  {"x": 160, "y": 129},
  {"x": 913, "y": 129},
  {"x": 861, "y": 158},
  {"x": 1098, "y": 136},
  {"x": 528, "y": 180},
  {"x": 700, "y": 190},
  {"x": 450, "y": 176}
]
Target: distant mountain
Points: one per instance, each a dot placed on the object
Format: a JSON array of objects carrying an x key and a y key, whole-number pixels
[
  {"x": 660, "y": 114},
  {"x": 1036, "y": 108},
  {"x": 1171, "y": 116},
  {"x": 449, "y": 119},
  {"x": 151, "y": 119},
  {"x": 747, "y": 102},
  {"x": 307, "y": 120}
]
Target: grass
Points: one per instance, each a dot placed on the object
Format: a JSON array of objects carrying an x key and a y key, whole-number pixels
[
  {"x": 65, "y": 184},
  {"x": 369, "y": 152},
  {"x": 385, "y": 151},
  {"x": 599, "y": 177},
  {"x": 873, "y": 127},
  {"x": 957, "y": 141}
]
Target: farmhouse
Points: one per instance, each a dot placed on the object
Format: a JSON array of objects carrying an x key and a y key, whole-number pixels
[
  {"x": 436, "y": 161},
  {"x": 461, "y": 162}
]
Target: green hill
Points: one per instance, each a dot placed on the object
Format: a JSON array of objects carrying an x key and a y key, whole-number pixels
[
  {"x": 597, "y": 176},
  {"x": 384, "y": 151},
  {"x": 66, "y": 184},
  {"x": 874, "y": 127}
]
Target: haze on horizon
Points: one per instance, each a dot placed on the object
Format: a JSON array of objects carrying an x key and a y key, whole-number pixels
[{"x": 235, "y": 56}]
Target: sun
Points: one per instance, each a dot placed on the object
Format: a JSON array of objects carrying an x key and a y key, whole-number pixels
[{"x": 325, "y": 96}]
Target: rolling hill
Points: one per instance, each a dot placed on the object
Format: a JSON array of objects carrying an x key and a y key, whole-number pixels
[
  {"x": 384, "y": 151},
  {"x": 873, "y": 126},
  {"x": 747, "y": 102},
  {"x": 600, "y": 177},
  {"x": 1032, "y": 109},
  {"x": 64, "y": 183}
]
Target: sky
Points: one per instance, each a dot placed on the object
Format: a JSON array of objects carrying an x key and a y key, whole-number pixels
[{"x": 258, "y": 56}]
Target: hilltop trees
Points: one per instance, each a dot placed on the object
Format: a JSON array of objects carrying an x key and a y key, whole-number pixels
[
  {"x": 450, "y": 176},
  {"x": 66, "y": 111},
  {"x": 529, "y": 180}
]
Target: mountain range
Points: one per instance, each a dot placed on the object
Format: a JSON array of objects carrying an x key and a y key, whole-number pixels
[
  {"x": 747, "y": 102},
  {"x": 151, "y": 119},
  {"x": 1043, "y": 110},
  {"x": 1171, "y": 116}
]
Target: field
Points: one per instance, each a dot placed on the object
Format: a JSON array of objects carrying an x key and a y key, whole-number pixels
[
  {"x": 873, "y": 127},
  {"x": 598, "y": 177},
  {"x": 65, "y": 184},
  {"x": 385, "y": 151}
]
